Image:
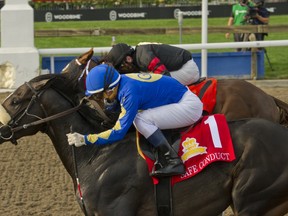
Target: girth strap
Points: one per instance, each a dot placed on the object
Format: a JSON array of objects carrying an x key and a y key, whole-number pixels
[{"x": 163, "y": 196}]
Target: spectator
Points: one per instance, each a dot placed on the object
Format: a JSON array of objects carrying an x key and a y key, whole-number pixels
[
  {"x": 157, "y": 58},
  {"x": 258, "y": 15},
  {"x": 237, "y": 18}
]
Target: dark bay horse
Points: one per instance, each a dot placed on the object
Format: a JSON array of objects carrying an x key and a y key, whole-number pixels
[
  {"x": 235, "y": 98},
  {"x": 115, "y": 180}
]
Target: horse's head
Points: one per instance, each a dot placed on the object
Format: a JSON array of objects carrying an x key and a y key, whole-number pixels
[
  {"x": 79, "y": 67},
  {"x": 33, "y": 101},
  {"x": 19, "y": 108},
  {"x": 30, "y": 107}
]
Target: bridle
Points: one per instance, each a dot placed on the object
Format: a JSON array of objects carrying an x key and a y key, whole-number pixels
[
  {"x": 13, "y": 127},
  {"x": 85, "y": 68}
]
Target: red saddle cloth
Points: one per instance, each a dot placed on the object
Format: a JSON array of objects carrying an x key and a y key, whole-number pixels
[
  {"x": 207, "y": 142},
  {"x": 206, "y": 91}
]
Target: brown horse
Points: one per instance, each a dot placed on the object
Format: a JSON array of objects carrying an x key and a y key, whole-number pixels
[
  {"x": 235, "y": 98},
  {"x": 114, "y": 179}
]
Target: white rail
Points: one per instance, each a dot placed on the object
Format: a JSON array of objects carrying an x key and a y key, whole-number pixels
[{"x": 76, "y": 51}]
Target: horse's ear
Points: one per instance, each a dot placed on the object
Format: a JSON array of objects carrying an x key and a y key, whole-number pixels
[{"x": 84, "y": 58}]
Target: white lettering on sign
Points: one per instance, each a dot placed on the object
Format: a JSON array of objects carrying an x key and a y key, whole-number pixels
[
  {"x": 189, "y": 13},
  {"x": 68, "y": 17},
  {"x": 132, "y": 15}
]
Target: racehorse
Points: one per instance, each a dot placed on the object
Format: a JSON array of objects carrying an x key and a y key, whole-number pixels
[
  {"x": 114, "y": 179},
  {"x": 235, "y": 98}
]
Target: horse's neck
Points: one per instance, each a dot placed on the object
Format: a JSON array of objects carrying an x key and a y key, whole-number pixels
[
  {"x": 88, "y": 158},
  {"x": 57, "y": 131},
  {"x": 62, "y": 148}
]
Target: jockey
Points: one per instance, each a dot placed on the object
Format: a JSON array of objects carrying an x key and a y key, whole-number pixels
[
  {"x": 157, "y": 58},
  {"x": 151, "y": 102}
]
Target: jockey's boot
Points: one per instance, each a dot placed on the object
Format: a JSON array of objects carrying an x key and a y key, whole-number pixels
[{"x": 168, "y": 163}]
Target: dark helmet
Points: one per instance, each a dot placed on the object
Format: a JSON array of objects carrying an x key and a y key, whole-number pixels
[{"x": 118, "y": 53}]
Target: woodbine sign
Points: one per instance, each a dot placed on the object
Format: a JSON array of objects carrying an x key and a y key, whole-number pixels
[{"x": 144, "y": 13}]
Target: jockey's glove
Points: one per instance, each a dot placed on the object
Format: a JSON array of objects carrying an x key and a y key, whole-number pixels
[
  {"x": 166, "y": 73},
  {"x": 76, "y": 139}
]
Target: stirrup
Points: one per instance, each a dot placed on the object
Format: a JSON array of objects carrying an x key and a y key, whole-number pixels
[
  {"x": 157, "y": 165},
  {"x": 169, "y": 170}
]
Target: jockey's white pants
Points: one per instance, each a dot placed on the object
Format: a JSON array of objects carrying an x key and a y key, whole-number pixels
[
  {"x": 187, "y": 74},
  {"x": 184, "y": 113}
]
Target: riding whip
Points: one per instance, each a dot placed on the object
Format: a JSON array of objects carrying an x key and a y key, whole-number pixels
[{"x": 76, "y": 176}]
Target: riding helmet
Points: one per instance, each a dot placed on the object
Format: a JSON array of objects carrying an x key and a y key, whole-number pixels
[
  {"x": 118, "y": 53},
  {"x": 100, "y": 78}
]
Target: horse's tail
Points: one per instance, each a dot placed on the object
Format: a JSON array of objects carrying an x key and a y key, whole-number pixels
[{"x": 283, "y": 109}]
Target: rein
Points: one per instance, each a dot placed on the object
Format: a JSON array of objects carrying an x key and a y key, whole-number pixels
[
  {"x": 46, "y": 119},
  {"x": 49, "y": 118},
  {"x": 61, "y": 114}
]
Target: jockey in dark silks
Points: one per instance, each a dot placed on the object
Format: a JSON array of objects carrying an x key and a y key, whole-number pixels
[
  {"x": 157, "y": 58},
  {"x": 149, "y": 101}
]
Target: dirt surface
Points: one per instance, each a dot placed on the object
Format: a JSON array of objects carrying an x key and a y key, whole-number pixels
[{"x": 34, "y": 182}]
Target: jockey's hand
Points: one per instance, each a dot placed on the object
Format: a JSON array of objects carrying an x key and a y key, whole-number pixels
[
  {"x": 76, "y": 139},
  {"x": 166, "y": 73}
]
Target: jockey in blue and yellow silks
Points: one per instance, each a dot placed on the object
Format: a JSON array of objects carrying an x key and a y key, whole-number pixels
[{"x": 151, "y": 101}]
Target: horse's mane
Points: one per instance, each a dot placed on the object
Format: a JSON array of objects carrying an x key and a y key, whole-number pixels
[
  {"x": 60, "y": 82},
  {"x": 69, "y": 89}
]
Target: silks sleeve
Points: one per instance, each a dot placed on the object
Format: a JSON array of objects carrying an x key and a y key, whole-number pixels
[{"x": 157, "y": 67}]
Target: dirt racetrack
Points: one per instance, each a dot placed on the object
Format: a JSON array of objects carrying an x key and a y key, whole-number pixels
[{"x": 34, "y": 182}]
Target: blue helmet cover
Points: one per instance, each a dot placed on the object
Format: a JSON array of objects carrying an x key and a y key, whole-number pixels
[{"x": 100, "y": 78}]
